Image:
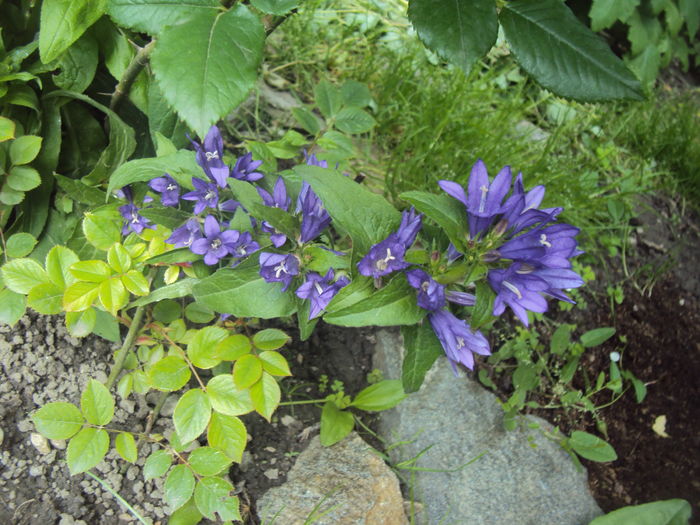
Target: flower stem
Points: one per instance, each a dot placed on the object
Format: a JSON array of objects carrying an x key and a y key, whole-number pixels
[
  {"x": 133, "y": 69},
  {"x": 306, "y": 402},
  {"x": 121, "y": 354}
]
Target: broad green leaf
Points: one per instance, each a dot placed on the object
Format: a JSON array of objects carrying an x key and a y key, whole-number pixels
[
  {"x": 151, "y": 16},
  {"x": 228, "y": 434},
  {"x": 206, "y": 67},
  {"x": 307, "y": 120},
  {"x": 157, "y": 464},
  {"x": 274, "y": 363},
  {"x": 482, "y": 312},
  {"x": 448, "y": 213},
  {"x": 243, "y": 293},
  {"x": 86, "y": 449},
  {"x": 265, "y": 395},
  {"x": 182, "y": 166},
  {"x": 188, "y": 514},
  {"x": 21, "y": 275},
  {"x": 135, "y": 282},
  {"x": 597, "y": 336},
  {"x": 198, "y": 313},
  {"x": 97, "y": 404},
  {"x": 179, "y": 486},
  {"x": 690, "y": 10},
  {"x": 168, "y": 217},
  {"x": 101, "y": 231},
  {"x": 525, "y": 377},
  {"x": 118, "y": 258},
  {"x": 79, "y": 296},
  {"x": 367, "y": 217},
  {"x": 12, "y": 306},
  {"x": 380, "y": 396},
  {"x": 169, "y": 374},
  {"x": 358, "y": 290},
  {"x": 91, "y": 271},
  {"x": 19, "y": 245},
  {"x": 172, "y": 291},
  {"x": 167, "y": 311},
  {"x": 163, "y": 122},
  {"x": 80, "y": 192},
  {"x": 126, "y": 446},
  {"x": 23, "y": 178},
  {"x": 202, "y": 347},
  {"x": 125, "y": 386},
  {"x": 395, "y": 304},
  {"x": 226, "y": 398},
  {"x": 328, "y": 98},
  {"x": 78, "y": 65},
  {"x": 354, "y": 120},
  {"x": 604, "y": 13},
  {"x": 320, "y": 260},
  {"x": 668, "y": 512},
  {"x": 564, "y": 55},
  {"x": 355, "y": 94},
  {"x": 7, "y": 129},
  {"x": 81, "y": 324},
  {"x": 233, "y": 347},
  {"x": 192, "y": 414},
  {"x": 58, "y": 261},
  {"x": 646, "y": 65},
  {"x": 213, "y": 496},
  {"x": 24, "y": 149},
  {"x": 275, "y": 7},
  {"x": 113, "y": 295},
  {"x": 207, "y": 461},
  {"x": 336, "y": 424},
  {"x": 63, "y": 22},
  {"x": 58, "y": 420},
  {"x": 561, "y": 338},
  {"x": 9, "y": 196},
  {"x": 247, "y": 370},
  {"x": 270, "y": 339},
  {"x": 591, "y": 447},
  {"x": 422, "y": 349},
  {"x": 107, "y": 327},
  {"x": 459, "y": 32},
  {"x": 46, "y": 298}
]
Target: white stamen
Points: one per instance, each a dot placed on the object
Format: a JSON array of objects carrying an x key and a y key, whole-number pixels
[
  {"x": 382, "y": 264},
  {"x": 482, "y": 204},
  {"x": 215, "y": 244},
  {"x": 241, "y": 250},
  {"x": 544, "y": 241},
  {"x": 279, "y": 269},
  {"x": 134, "y": 217},
  {"x": 513, "y": 289},
  {"x": 171, "y": 187},
  {"x": 460, "y": 343},
  {"x": 209, "y": 195},
  {"x": 318, "y": 288},
  {"x": 211, "y": 155}
]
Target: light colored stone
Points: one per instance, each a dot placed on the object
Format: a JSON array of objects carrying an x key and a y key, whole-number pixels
[
  {"x": 522, "y": 478},
  {"x": 40, "y": 443},
  {"x": 348, "y": 480}
]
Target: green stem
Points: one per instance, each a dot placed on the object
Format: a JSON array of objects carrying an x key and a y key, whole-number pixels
[
  {"x": 121, "y": 354},
  {"x": 307, "y": 402},
  {"x": 133, "y": 69}
]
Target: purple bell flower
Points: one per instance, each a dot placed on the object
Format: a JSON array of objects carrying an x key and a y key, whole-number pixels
[
  {"x": 210, "y": 157},
  {"x": 278, "y": 199},
  {"x": 550, "y": 246},
  {"x": 185, "y": 235},
  {"x": 314, "y": 217},
  {"x": 244, "y": 245},
  {"x": 458, "y": 340},
  {"x": 168, "y": 188},
  {"x": 205, "y": 195},
  {"x": 431, "y": 294},
  {"x": 320, "y": 290},
  {"x": 277, "y": 267},
  {"x": 463, "y": 298},
  {"x": 133, "y": 221},
  {"x": 521, "y": 291},
  {"x": 311, "y": 160},
  {"x": 411, "y": 223},
  {"x": 216, "y": 244},
  {"x": 245, "y": 168},
  {"x": 384, "y": 258}
]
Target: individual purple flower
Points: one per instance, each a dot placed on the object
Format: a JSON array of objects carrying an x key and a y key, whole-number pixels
[
  {"x": 521, "y": 291},
  {"x": 185, "y": 235},
  {"x": 463, "y": 298},
  {"x": 205, "y": 195},
  {"x": 411, "y": 223},
  {"x": 244, "y": 245},
  {"x": 133, "y": 221},
  {"x": 168, "y": 188},
  {"x": 311, "y": 160},
  {"x": 431, "y": 294},
  {"x": 550, "y": 246},
  {"x": 452, "y": 253},
  {"x": 210, "y": 157},
  {"x": 458, "y": 340},
  {"x": 277, "y": 267},
  {"x": 314, "y": 217},
  {"x": 278, "y": 199},
  {"x": 384, "y": 258},
  {"x": 216, "y": 244},
  {"x": 320, "y": 290},
  {"x": 245, "y": 168}
]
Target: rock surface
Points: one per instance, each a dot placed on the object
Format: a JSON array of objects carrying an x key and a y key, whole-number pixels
[
  {"x": 348, "y": 480},
  {"x": 523, "y": 478}
]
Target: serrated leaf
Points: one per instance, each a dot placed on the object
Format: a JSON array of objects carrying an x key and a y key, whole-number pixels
[
  {"x": 86, "y": 449},
  {"x": 23, "y": 178},
  {"x": 668, "y": 512},
  {"x": 265, "y": 395},
  {"x": 213, "y": 496},
  {"x": 97, "y": 404},
  {"x": 126, "y": 446},
  {"x": 172, "y": 291},
  {"x": 564, "y": 55},
  {"x": 63, "y": 22},
  {"x": 198, "y": 313},
  {"x": 80, "y": 296},
  {"x": 354, "y": 120},
  {"x": 113, "y": 295},
  {"x": 202, "y": 347},
  {"x": 275, "y": 7},
  {"x": 591, "y": 447},
  {"x": 19, "y": 245},
  {"x": 21, "y": 275},
  {"x": 101, "y": 231},
  {"x": 179, "y": 486},
  {"x": 78, "y": 65},
  {"x": 168, "y": 217},
  {"x": 226, "y": 398},
  {"x": 328, "y": 98},
  {"x": 380, "y": 396},
  {"x": 207, "y": 461},
  {"x": 24, "y": 149},
  {"x": 307, "y": 120},
  {"x": 355, "y": 94},
  {"x": 58, "y": 420},
  {"x": 135, "y": 282},
  {"x": 118, "y": 258},
  {"x": 604, "y": 13},
  {"x": 206, "y": 67},
  {"x": 80, "y": 192},
  {"x": 7, "y": 129},
  {"x": 92, "y": 271},
  {"x": 157, "y": 464},
  {"x": 169, "y": 374},
  {"x": 12, "y": 306},
  {"x": 228, "y": 434},
  {"x": 336, "y": 424},
  {"x": 422, "y": 349},
  {"x": 46, "y": 298},
  {"x": 149, "y": 16},
  {"x": 191, "y": 415},
  {"x": 270, "y": 339},
  {"x": 58, "y": 261},
  {"x": 81, "y": 324},
  {"x": 274, "y": 363},
  {"x": 247, "y": 370},
  {"x": 233, "y": 347}
]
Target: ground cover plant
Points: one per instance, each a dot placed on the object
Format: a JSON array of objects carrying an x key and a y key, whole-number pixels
[{"x": 181, "y": 248}]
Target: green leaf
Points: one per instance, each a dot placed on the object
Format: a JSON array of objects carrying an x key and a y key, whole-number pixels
[
  {"x": 270, "y": 339},
  {"x": 307, "y": 120},
  {"x": 646, "y": 65},
  {"x": 207, "y": 461},
  {"x": 274, "y": 363},
  {"x": 113, "y": 295},
  {"x": 525, "y": 377},
  {"x": 188, "y": 514},
  {"x": 380, "y": 396},
  {"x": 207, "y": 66},
  {"x": 97, "y": 404},
  {"x": 247, "y": 371},
  {"x": 87, "y": 449},
  {"x": 591, "y": 447},
  {"x": 192, "y": 414},
  {"x": 202, "y": 348},
  {"x": 275, "y": 7},
  {"x": 19, "y": 245},
  {"x": 482, "y": 312},
  {"x": 448, "y": 213},
  {"x": 179, "y": 486},
  {"x": 78, "y": 65},
  {"x": 169, "y": 374},
  {"x": 167, "y": 311},
  {"x": 107, "y": 326},
  {"x": 243, "y": 293},
  {"x": 63, "y": 22},
  {"x": 80, "y": 192},
  {"x": 597, "y": 336},
  {"x": 561, "y": 338},
  {"x": 395, "y": 304},
  {"x": 233, "y": 347},
  {"x": 690, "y": 10},
  {"x": 213, "y": 496},
  {"x": 58, "y": 420},
  {"x": 367, "y": 217},
  {"x": 336, "y": 424},
  {"x": 118, "y": 258},
  {"x": 101, "y": 231},
  {"x": 157, "y": 464},
  {"x": 149, "y": 16},
  {"x": 354, "y": 120},
  {"x": 79, "y": 296},
  {"x": 163, "y": 122},
  {"x": 265, "y": 395},
  {"x": 7, "y": 129},
  {"x": 24, "y": 149},
  {"x": 46, "y": 298},
  {"x": 228, "y": 434},
  {"x": 422, "y": 349},
  {"x": 9, "y": 196},
  {"x": 81, "y": 324},
  {"x": 355, "y": 94},
  {"x": 126, "y": 446},
  {"x": 168, "y": 217},
  {"x": 181, "y": 166},
  {"x": 328, "y": 98},
  {"x": 668, "y": 512},
  {"x": 172, "y": 291},
  {"x": 198, "y": 313},
  {"x": 21, "y": 275},
  {"x": 23, "y": 178},
  {"x": 459, "y": 32},
  {"x": 91, "y": 271},
  {"x": 226, "y": 398},
  {"x": 564, "y": 55},
  {"x": 135, "y": 282},
  {"x": 12, "y": 306},
  {"x": 604, "y": 13}
]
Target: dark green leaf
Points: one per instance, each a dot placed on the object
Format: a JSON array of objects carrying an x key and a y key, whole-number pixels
[
  {"x": 591, "y": 447},
  {"x": 163, "y": 119},
  {"x": 604, "y": 13},
  {"x": 169, "y": 217},
  {"x": 335, "y": 424},
  {"x": 483, "y": 309},
  {"x": 80, "y": 192},
  {"x": 597, "y": 336},
  {"x": 668, "y": 512},
  {"x": 107, "y": 327},
  {"x": 422, "y": 349},
  {"x": 561, "y": 338},
  {"x": 182, "y": 166},
  {"x": 275, "y": 7},
  {"x": 355, "y": 94},
  {"x": 78, "y": 65},
  {"x": 19, "y": 245},
  {"x": 354, "y": 120},
  {"x": 63, "y": 22},
  {"x": 448, "y": 213},
  {"x": 151, "y": 16}
]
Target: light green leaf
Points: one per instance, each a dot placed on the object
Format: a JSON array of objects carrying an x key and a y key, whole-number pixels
[
  {"x": 307, "y": 120},
  {"x": 192, "y": 414},
  {"x": 206, "y": 67},
  {"x": 9, "y": 196},
  {"x": 179, "y": 486},
  {"x": 24, "y": 149},
  {"x": 63, "y": 22},
  {"x": 58, "y": 261},
  {"x": 275, "y": 7},
  {"x": 270, "y": 339},
  {"x": 228, "y": 434},
  {"x": 265, "y": 395},
  {"x": 202, "y": 347},
  {"x": 125, "y": 386},
  {"x": 58, "y": 420},
  {"x": 135, "y": 282},
  {"x": 7, "y": 129},
  {"x": 81, "y": 192},
  {"x": 151, "y": 16},
  {"x": 12, "y": 306},
  {"x": 668, "y": 512},
  {"x": 564, "y": 55},
  {"x": 597, "y": 336},
  {"x": 213, "y": 496},
  {"x": 97, "y": 404},
  {"x": 21, "y": 275},
  {"x": 380, "y": 396},
  {"x": 157, "y": 464},
  {"x": 92, "y": 271},
  {"x": 226, "y": 398},
  {"x": 172, "y": 291},
  {"x": 126, "y": 446},
  {"x": 113, "y": 295},
  {"x": 79, "y": 296},
  {"x": 46, "y": 298},
  {"x": 354, "y": 120},
  {"x": 19, "y": 245},
  {"x": 169, "y": 374},
  {"x": 23, "y": 178},
  {"x": 233, "y": 347},
  {"x": 118, "y": 258},
  {"x": 328, "y": 98},
  {"x": 182, "y": 166},
  {"x": 355, "y": 94},
  {"x": 87, "y": 449},
  {"x": 102, "y": 231},
  {"x": 591, "y": 447},
  {"x": 422, "y": 349},
  {"x": 81, "y": 324},
  {"x": 274, "y": 363},
  {"x": 336, "y": 424},
  {"x": 188, "y": 514},
  {"x": 247, "y": 370},
  {"x": 207, "y": 461}
]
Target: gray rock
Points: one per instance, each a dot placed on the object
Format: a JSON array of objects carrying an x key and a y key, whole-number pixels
[
  {"x": 347, "y": 480},
  {"x": 523, "y": 478}
]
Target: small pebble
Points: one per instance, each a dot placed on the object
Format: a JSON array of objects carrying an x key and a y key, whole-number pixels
[
  {"x": 272, "y": 473},
  {"x": 288, "y": 420},
  {"x": 270, "y": 449},
  {"x": 60, "y": 444},
  {"x": 40, "y": 443}
]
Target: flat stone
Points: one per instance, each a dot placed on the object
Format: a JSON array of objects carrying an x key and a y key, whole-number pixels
[
  {"x": 522, "y": 478},
  {"x": 348, "y": 480}
]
